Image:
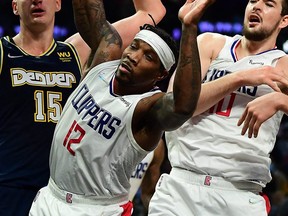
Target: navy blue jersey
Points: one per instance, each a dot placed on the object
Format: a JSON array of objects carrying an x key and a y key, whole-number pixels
[{"x": 33, "y": 91}]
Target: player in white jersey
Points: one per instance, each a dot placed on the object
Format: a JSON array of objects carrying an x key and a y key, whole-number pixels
[
  {"x": 215, "y": 169},
  {"x": 116, "y": 115}
]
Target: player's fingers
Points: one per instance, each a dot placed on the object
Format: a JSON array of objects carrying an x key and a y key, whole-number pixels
[
  {"x": 274, "y": 86},
  {"x": 242, "y": 118},
  {"x": 256, "y": 129},
  {"x": 251, "y": 127},
  {"x": 246, "y": 124}
]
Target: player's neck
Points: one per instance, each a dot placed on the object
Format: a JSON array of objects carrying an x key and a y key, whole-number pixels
[
  {"x": 247, "y": 47},
  {"x": 122, "y": 89},
  {"x": 33, "y": 44}
]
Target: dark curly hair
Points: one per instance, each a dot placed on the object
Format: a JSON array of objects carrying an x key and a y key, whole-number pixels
[{"x": 284, "y": 8}]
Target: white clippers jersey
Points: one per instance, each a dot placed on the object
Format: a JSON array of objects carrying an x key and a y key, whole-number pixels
[
  {"x": 93, "y": 151},
  {"x": 138, "y": 174},
  {"x": 211, "y": 143}
]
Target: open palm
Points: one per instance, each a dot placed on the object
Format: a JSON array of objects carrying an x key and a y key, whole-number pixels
[{"x": 192, "y": 11}]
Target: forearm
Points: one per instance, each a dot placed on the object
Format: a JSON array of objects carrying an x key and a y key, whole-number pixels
[
  {"x": 153, "y": 7},
  {"x": 212, "y": 92},
  {"x": 187, "y": 82},
  {"x": 148, "y": 185},
  {"x": 90, "y": 20},
  {"x": 143, "y": 8},
  {"x": 141, "y": 17},
  {"x": 282, "y": 102}
]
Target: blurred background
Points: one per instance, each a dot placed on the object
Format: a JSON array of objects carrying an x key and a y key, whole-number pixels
[{"x": 224, "y": 17}]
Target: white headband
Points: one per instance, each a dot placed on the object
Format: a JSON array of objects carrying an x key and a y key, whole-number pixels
[{"x": 159, "y": 45}]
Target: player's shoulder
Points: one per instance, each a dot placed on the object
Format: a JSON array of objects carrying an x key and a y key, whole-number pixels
[
  {"x": 214, "y": 41},
  {"x": 151, "y": 98},
  {"x": 64, "y": 44},
  {"x": 211, "y": 37},
  {"x": 283, "y": 63},
  {"x": 147, "y": 101},
  {"x": 7, "y": 41}
]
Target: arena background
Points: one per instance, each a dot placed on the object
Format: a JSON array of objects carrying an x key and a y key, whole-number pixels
[{"x": 226, "y": 17}]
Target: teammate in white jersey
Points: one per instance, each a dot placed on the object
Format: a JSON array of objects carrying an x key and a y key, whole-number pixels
[
  {"x": 217, "y": 169},
  {"x": 116, "y": 115}
]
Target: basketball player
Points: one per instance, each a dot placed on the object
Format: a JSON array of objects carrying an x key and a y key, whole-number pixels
[
  {"x": 215, "y": 169},
  {"x": 37, "y": 74},
  {"x": 116, "y": 115}
]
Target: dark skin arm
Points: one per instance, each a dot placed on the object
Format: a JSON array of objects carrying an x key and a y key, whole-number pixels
[
  {"x": 101, "y": 37},
  {"x": 152, "y": 174},
  {"x": 160, "y": 112},
  {"x": 164, "y": 112}
]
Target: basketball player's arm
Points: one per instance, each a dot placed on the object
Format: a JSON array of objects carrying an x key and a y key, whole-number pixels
[
  {"x": 262, "y": 108},
  {"x": 97, "y": 32},
  {"x": 152, "y": 174},
  {"x": 167, "y": 111},
  {"x": 175, "y": 107},
  {"x": 164, "y": 112},
  {"x": 127, "y": 27},
  {"x": 212, "y": 92}
]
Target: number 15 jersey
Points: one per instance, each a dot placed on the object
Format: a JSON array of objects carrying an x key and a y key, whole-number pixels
[{"x": 33, "y": 90}]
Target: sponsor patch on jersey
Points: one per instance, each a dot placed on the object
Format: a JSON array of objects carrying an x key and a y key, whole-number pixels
[
  {"x": 255, "y": 62},
  {"x": 65, "y": 56}
]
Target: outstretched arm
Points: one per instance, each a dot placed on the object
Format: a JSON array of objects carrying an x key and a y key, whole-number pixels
[
  {"x": 164, "y": 112},
  {"x": 179, "y": 105},
  {"x": 143, "y": 8},
  {"x": 212, "y": 92}
]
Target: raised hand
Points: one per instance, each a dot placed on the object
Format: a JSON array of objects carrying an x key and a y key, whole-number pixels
[{"x": 192, "y": 11}]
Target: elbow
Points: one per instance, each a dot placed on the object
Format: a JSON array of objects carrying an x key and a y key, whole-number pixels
[
  {"x": 186, "y": 107},
  {"x": 184, "y": 113},
  {"x": 159, "y": 14}
]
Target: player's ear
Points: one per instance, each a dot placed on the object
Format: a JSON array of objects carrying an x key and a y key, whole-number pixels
[
  {"x": 162, "y": 75},
  {"x": 14, "y": 7},
  {"x": 284, "y": 22},
  {"x": 58, "y": 5}
]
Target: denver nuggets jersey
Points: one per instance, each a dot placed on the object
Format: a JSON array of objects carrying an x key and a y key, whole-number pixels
[
  {"x": 211, "y": 143},
  {"x": 33, "y": 90},
  {"x": 94, "y": 151}
]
